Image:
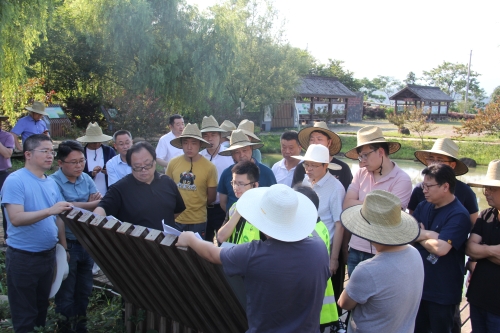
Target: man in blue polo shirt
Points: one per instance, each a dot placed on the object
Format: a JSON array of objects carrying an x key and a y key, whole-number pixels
[
  {"x": 79, "y": 189},
  {"x": 240, "y": 149},
  {"x": 31, "y": 124},
  {"x": 117, "y": 166},
  {"x": 32, "y": 202},
  {"x": 445, "y": 225}
]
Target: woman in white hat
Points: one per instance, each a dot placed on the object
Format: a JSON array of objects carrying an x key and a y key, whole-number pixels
[
  {"x": 97, "y": 155},
  {"x": 483, "y": 293}
]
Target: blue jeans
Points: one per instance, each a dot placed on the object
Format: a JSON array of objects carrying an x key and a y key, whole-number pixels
[
  {"x": 434, "y": 317},
  {"x": 72, "y": 298},
  {"x": 483, "y": 321},
  {"x": 29, "y": 278},
  {"x": 196, "y": 228},
  {"x": 355, "y": 257}
]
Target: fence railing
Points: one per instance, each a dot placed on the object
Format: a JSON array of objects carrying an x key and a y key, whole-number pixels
[{"x": 178, "y": 290}]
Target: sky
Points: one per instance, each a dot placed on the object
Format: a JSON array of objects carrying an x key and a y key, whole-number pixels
[{"x": 394, "y": 37}]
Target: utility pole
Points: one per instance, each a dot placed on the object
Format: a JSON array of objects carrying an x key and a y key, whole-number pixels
[{"x": 467, "y": 87}]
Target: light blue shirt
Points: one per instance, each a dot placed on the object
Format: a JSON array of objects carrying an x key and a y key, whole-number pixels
[
  {"x": 78, "y": 191},
  {"x": 27, "y": 126},
  {"x": 117, "y": 169},
  {"x": 24, "y": 188}
]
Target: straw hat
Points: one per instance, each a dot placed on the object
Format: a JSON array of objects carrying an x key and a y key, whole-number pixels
[
  {"x": 492, "y": 176},
  {"x": 228, "y": 128},
  {"x": 444, "y": 147},
  {"x": 209, "y": 124},
  {"x": 368, "y": 135},
  {"x": 239, "y": 140},
  {"x": 279, "y": 211},
  {"x": 319, "y": 154},
  {"x": 380, "y": 219},
  {"x": 190, "y": 131},
  {"x": 248, "y": 128},
  {"x": 94, "y": 134},
  {"x": 61, "y": 270},
  {"x": 37, "y": 107},
  {"x": 305, "y": 133}
]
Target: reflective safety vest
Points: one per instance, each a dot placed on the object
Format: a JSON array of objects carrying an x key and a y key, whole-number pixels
[
  {"x": 329, "y": 312},
  {"x": 244, "y": 232}
]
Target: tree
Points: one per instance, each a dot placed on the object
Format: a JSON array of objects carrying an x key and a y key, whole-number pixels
[
  {"x": 452, "y": 79},
  {"x": 415, "y": 120},
  {"x": 496, "y": 94},
  {"x": 486, "y": 121},
  {"x": 369, "y": 88},
  {"x": 335, "y": 68},
  {"x": 387, "y": 84},
  {"x": 411, "y": 78}
]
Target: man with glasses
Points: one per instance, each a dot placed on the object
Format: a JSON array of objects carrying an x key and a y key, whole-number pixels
[
  {"x": 143, "y": 197},
  {"x": 117, "y": 166},
  {"x": 32, "y": 201},
  {"x": 445, "y": 225},
  {"x": 79, "y": 189},
  {"x": 484, "y": 247},
  {"x": 444, "y": 151}
]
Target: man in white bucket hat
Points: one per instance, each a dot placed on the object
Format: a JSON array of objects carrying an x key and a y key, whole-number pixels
[
  {"x": 483, "y": 246},
  {"x": 285, "y": 276},
  {"x": 384, "y": 291}
]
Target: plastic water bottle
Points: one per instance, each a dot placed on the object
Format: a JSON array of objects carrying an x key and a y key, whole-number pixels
[{"x": 432, "y": 258}]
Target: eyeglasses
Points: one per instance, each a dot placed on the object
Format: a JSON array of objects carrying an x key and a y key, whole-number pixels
[
  {"x": 426, "y": 187},
  {"x": 311, "y": 166},
  {"x": 75, "y": 163},
  {"x": 364, "y": 156},
  {"x": 433, "y": 161},
  {"x": 490, "y": 189},
  {"x": 45, "y": 151},
  {"x": 146, "y": 167},
  {"x": 233, "y": 184}
]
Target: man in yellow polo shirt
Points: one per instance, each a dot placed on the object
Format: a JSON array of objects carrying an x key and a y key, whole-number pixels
[{"x": 196, "y": 177}]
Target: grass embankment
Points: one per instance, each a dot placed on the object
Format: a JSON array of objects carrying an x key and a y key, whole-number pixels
[{"x": 481, "y": 152}]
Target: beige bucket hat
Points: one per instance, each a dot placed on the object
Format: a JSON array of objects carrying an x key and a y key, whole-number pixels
[
  {"x": 238, "y": 140},
  {"x": 305, "y": 133},
  {"x": 368, "y": 135},
  {"x": 37, "y": 107},
  {"x": 61, "y": 270},
  {"x": 380, "y": 219},
  {"x": 209, "y": 124},
  {"x": 228, "y": 128},
  {"x": 190, "y": 131},
  {"x": 492, "y": 176},
  {"x": 247, "y": 127},
  {"x": 279, "y": 211},
  {"x": 318, "y": 154},
  {"x": 444, "y": 147},
  {"x": 93, "y": 133}
]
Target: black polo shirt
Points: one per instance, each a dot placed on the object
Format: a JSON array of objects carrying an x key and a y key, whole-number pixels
[
  {"x": 344, "y": 175},
  {"x": 130, "y": 200}
]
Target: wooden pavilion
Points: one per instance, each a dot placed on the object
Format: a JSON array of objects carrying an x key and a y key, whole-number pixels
[{"x": 427, "y": 98}]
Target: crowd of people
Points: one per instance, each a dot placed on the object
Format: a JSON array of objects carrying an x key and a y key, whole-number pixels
[{"x": 290, "y": 230}]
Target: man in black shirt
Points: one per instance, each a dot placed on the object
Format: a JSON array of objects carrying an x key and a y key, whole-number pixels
[
  {"x": 484, "y": 246},
  {"x": 143, "y": 197},
  {"x": 322, "y": 135}
]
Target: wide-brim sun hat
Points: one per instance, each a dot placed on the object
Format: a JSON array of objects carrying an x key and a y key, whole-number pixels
[
  {"x": 380, "y": 220},
  {"x": 239, "y": 140},
  {"x": 279, "y": 212},
  {"x": 61, "y": 270},
  {"x": 209, "y": 124},
  {"x": 369, "y": 135},
  {"x": 228, "y": 128},
  {"x": 191, "y": 131},
  {"x": 305, "y": 133},
  {"x": 247, "y": 127},
  {"x": 492, "y": 176},
  {"x": 319, "y": 154},
  {"x": 37, "y": 107},
  {"x": 444, "y": 147},
  {"x": 93, "y": 134}
]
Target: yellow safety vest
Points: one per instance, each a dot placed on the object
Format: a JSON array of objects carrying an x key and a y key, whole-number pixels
[
  {"x": 329, "y": 312},
  {"x": 244, "y": 232}
]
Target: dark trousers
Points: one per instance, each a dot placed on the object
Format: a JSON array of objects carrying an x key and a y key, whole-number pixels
[
  {"x": 29, "y": 279},
  {"x": 196, "y": 228},
  {"x": 72, "y": 298},
  {"x": 215, "y": 217},
  {"x": 3, "y": 177},
  {"x": 483, "y": 321},
  {"x": 434, "y": 317},
  {"x": 338, "y": 281}
]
